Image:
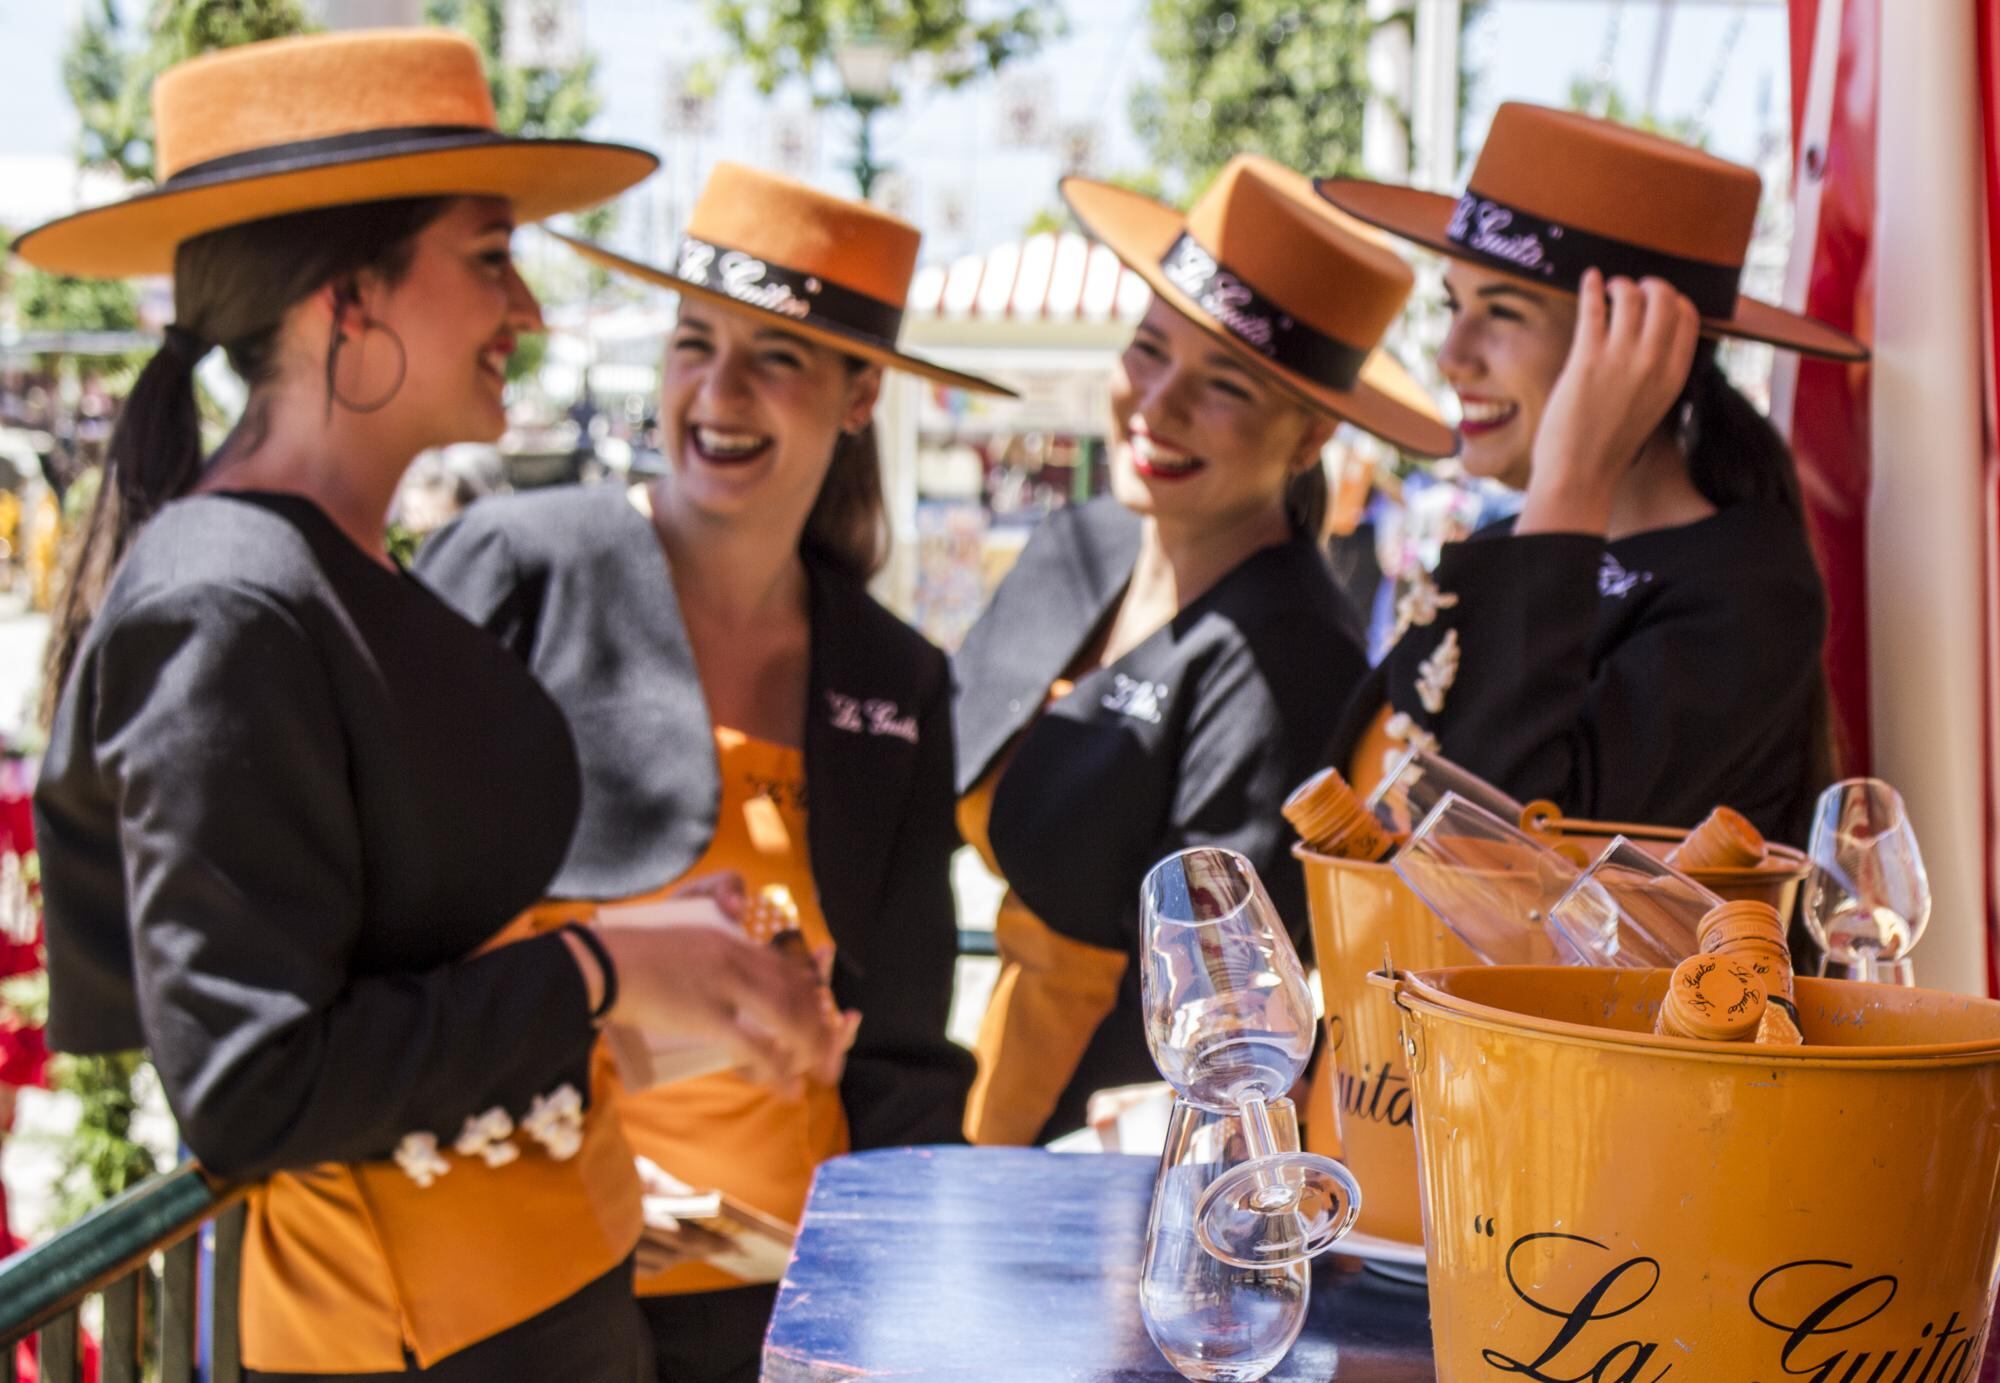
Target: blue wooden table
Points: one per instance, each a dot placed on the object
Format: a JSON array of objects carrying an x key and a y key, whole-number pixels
[{"x": 1011, "y": 1263}]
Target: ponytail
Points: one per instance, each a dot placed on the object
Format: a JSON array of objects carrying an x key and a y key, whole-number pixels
[
  {"x": 1307, "y": 497},
  {"x": 232, "y": 288},
  {"x": 848, "y": 527},
  {"x": 1735, "y": 455}
]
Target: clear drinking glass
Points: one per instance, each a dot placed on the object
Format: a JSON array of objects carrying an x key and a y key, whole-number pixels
[
  {"x": 1867, "y": 899},
  {"x": 1490, "y": 882},
  {"x": 1631, "y": 909},
  {"x": 1420, "y": 780},
  {"x": 1211, "y": 1319},
  {"x": 1229, "y": 1019}
]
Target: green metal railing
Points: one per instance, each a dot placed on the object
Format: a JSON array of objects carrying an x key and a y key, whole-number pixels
[{"x": 110, "y": 1252}]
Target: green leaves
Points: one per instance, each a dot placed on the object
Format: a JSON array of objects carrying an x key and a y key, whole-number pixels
[
  {"x": 1277, "y": 77},
  {"x": 782, "y": 41}
]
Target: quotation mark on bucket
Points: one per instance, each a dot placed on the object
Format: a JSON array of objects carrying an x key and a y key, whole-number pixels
[{"x": 1485, "y": 1224}]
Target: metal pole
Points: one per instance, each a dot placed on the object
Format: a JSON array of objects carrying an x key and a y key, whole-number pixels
[
  {"x": 865, "y": 168},
  {"x": 1385, "y": 123},
  {"x": 1435, "y": 123},
  {"x": 1663, "y": 29}
]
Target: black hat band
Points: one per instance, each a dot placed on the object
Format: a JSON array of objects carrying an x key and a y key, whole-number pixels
[
  {"x": 808, "y": 298},
  {"x": 1257, "y": 322},
  {"x": 268, "y": 159},
  {"x": 1520, "y": 242}
]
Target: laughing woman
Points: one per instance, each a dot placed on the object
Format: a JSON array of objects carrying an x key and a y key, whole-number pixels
[
  {"x": 292, "y": 802},
  {"x": 1643, "y": 642},
  {"x": 712, "y": 639},
  {"x": 1161, "y": 667}
]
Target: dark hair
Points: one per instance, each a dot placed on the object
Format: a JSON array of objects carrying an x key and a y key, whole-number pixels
[
  {"x": 1734, "y": 454},
  {"x": 1307, "y": 496},
  {"x": 848, "y": 527},
  {"x": 232, "y": 288}
]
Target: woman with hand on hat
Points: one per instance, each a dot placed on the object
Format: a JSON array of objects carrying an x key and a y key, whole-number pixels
[
  {"x": 1163, "y": 665},
  {"x": 1643, "y": 641},
  {"x": 292, "y": 801},
  {"x": 712, "y": 638}
]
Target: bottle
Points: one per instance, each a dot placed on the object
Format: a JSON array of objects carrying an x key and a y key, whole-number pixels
[
  {"x": 1748, "y": 931},
  {"x": 1331, "y": 819},
  {"x": 1726, "y": 840},
  {"x": 1712, "y": 999}
]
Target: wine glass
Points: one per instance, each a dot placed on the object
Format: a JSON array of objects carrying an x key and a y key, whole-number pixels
[
  {"x": 1867, "y": 898},
  {"x": 1631, "y": 909},
  {"x": 1491, "y": 883},
  {"x": 1214, "y": 1320},
  {"x": 1421, "y": 779},
  {"x": 1229, "y": 1019}
]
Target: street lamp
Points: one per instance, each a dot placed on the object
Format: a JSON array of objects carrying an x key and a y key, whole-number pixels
[{"x": 867, "y": 65}]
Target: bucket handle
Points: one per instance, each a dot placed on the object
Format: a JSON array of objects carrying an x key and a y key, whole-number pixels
[
  {"x": 1544, "y": 818},
  {"x": 1410, "y": 1029}
]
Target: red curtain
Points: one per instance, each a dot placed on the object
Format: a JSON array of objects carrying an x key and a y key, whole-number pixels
[{"x": 1830, "y": 415}]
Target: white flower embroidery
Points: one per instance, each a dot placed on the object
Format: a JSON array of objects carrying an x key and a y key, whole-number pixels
[
  {"x": 420, "y": 1160},
  {"x": 555, "y": 1120},
  {"x": 489, "y": 1136},
  {"x": 1436, "y": 673},
  {"x": 1403, "y": 728},
  {"x": 1420, "y": 604}
]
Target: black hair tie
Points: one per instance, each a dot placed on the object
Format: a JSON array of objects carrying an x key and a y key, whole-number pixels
[{"x": 184, "y": 346}]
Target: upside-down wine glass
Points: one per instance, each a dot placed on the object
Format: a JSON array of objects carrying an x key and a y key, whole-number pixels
[
  {"x": 1229, "y": 1019},
  {"x": 1867, "y": 899}
]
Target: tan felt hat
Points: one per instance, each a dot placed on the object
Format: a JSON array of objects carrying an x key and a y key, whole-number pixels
[
  {"x": 826, "y": 268},
  {"x": 328, "y": 120},
  {"x": 1299, "y": 292},
  {"x": 1555, "y": 193}
]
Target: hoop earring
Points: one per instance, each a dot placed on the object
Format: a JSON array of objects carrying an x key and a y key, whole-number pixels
[{"x": 333, "y": 394}]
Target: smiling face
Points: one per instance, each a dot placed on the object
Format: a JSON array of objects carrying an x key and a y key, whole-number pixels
[
  {"x": 457, "y": 311},
  {"x": 1197, "y": 436},
  {"x": 751, "y": 413},
  {"x": 1505, "y": 349}
]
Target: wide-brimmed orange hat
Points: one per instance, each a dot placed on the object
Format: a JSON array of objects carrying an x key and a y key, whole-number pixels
[
  {"x": 300, "y": 123},
  {"x": 1299, "y": 292},
  {"x": 825, "y": 268},
  {"x": 1555, "y": 193}
]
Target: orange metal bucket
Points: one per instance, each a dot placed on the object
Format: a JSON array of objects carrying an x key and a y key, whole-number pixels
[
  {"x": 1604, "y": 1204},
  {"x": 1359, "y": 1107}
]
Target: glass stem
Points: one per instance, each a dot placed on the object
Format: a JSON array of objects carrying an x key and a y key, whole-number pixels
[
  {"x": 1867, "y": 965},
  {"x": 1257, "y": 1132}
]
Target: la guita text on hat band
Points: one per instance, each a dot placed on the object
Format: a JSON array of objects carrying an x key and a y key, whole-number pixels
[
  {"x": 1257, "y": 322},
  {"x": 1508, "y": 238},
  {"x": 788, "y": 292}
]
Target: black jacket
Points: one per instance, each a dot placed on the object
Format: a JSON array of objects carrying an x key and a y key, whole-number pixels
[
  {"x": 574, "y": 582},
  {"x": 1195, "y": 737},
  {"x": 287, "y": 792},
  {"x": 1649, "y": 679}
]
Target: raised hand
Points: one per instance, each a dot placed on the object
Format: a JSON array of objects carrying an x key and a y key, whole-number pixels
[{"x": 1628, "y": 361}]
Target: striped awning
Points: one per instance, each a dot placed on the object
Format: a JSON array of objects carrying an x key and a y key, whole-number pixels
[{"x": 1045, "y": 278}]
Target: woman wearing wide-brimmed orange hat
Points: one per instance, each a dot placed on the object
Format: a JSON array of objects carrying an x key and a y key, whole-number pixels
[
  {"x": 292, "y": 801},
  {"x": 752, "y": 723},
  {"x": 1163, "y": 665},
  {"x": 1643, "y": 642}
]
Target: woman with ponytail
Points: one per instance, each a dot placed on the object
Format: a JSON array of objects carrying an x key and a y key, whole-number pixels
[
  {"x": 293, "y": 805},
  {"x": 1164, "y": 665},
  {"x": 1643, "y": 642},
  {"x": 712, "y": 638}
]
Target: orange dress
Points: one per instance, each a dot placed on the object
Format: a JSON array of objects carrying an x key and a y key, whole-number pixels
[{"x": 723, "y": 1132}]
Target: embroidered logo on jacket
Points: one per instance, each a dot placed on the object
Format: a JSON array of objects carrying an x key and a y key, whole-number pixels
[
  {"x": 871, "y": 717},
  {"x": 1614, "y": 581},
  {"x": 1129, "y": 696}
]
